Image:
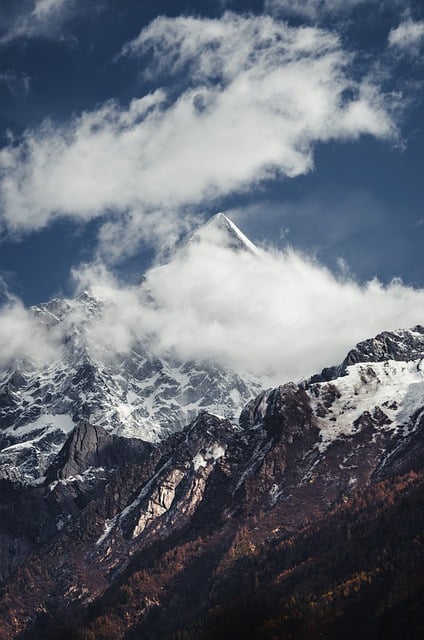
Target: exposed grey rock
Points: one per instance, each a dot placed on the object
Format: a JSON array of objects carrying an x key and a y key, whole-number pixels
[{"x": 90, "y": 446}]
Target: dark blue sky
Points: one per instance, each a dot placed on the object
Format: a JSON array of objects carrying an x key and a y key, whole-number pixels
[{"x": 361, "y": 203}]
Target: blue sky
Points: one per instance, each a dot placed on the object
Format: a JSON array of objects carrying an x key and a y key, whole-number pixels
[
  {"x": 124, "y": 125},
  {"x": 361, "y": 202}
]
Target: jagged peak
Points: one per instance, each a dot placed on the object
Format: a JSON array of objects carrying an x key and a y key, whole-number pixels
[
  {"x": 219, "y": 230},
  {"x": 401, "y": 345}
]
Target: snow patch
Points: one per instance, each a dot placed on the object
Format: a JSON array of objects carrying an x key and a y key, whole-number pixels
[
  {"x": 62, "y": 422},
  {"x": 394, "y": 387}
]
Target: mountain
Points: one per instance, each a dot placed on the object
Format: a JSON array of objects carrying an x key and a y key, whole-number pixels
[
  {"x": 135, "y": 394},
  {"x": 303, "y": 518},
  {"x": 222, "y": 232},
  {"x": 135, "y": 503}
]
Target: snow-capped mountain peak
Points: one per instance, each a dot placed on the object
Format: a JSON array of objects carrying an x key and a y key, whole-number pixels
[{"x": 220, "y": 231}]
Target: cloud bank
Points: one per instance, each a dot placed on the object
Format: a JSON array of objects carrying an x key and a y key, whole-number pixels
[
  {"x": 247, "y": 100},
  {"x": 278, "y": 315}
]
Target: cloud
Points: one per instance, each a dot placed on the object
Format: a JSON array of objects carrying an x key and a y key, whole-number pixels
[
  {"x": 279, "y": 315},
  {"x": 408, "y": 37},
  {"x": 24, "y": 338},
  {"x": 119, "y": 323},
  {"x": 247, "y": 100},
  {"x": 311, "y": 9},
  {"x": 17, "y": 84},
  {"x": 45, "y": 8},
  {"x": 44, "y": 18},
  {"x": 319, "y": 11},
  {"x": 350, "y": 222}
]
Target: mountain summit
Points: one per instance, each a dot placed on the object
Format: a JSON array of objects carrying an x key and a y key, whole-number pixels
[{"x": 220, "y": 231}]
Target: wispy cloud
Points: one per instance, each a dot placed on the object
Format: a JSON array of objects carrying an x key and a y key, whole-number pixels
[
  {"x": 408, "y": 37},
  {"x": 321, "y": 11},
  {"x": 339, "y": 226},
  {"x": 311, "y": 9},
  {"x": 45, "y": 8},
  {"x": 44, "y": 18},
  {"x": 19, "y": 84},
  {"x": 252, "y": 98},
  {"x": 22, "y": 335}
]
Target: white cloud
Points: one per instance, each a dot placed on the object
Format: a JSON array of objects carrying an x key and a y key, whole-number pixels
[
  {"x": 311, "y": 9},
  {"x": 121, "y": 321},
  {"x": 40, "y": 18},
  {"x": 279, "y": 315},
  {"x": 320, "y": 10},
  {"x": 407, "y": 37},
  {"x": 23, "y": 337},
  {"x": 258, "y": 97},
  {"x": 44, "y": 8}
]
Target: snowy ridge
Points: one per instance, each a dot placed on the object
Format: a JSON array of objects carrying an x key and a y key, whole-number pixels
[
  {"x": 403, "y": 344},
  {"x": 373, "y": 400},
  {"x": 389, "y": 392},
  {"x": 136, "y": 395}
]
